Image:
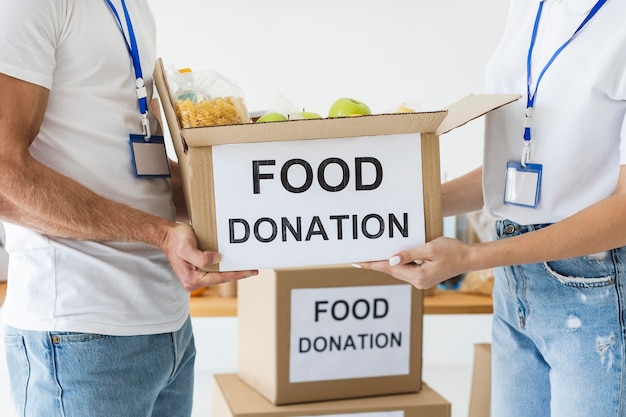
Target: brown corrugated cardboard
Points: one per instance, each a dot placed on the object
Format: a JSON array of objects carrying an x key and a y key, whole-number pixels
[
  {"x": 480, "y": 399},
  {"x": 410, "y": 193},
  {"x": 234, "y": 398},
  {"x": 289, "y": 319}
]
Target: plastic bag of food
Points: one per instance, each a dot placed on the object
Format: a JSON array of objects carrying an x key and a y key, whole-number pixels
[{"x": 206, "y": 98}]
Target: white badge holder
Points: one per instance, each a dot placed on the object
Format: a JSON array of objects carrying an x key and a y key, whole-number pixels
[
  {"x": 149, "y": 156},
  {"x": 522, "y": 184}
]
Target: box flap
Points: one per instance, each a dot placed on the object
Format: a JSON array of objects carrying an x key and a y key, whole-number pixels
[
  {"x": 160, "y": 81},
  {"x": 472, "y": 107}
]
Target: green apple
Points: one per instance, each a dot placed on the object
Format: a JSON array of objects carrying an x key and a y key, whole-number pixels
[
  {"x": 272, "y": 117},
  {"x": 344, "y": 106},
  {"x": 311, "y": 115}
]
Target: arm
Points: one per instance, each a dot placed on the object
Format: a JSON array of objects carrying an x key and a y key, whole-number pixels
[
  {"x": 37, "y": 197},
  {"x": 591, "y": 230},
  {"x": 463, "y": 194}
]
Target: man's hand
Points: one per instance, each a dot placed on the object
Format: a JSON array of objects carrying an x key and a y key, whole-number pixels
[{"x": 188, "y": 262}]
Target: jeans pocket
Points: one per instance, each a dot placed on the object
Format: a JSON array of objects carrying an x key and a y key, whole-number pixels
[
  {"x": 72, "y": 337},
  {"x": 19, "y": 369},
  {"x": 590, "y": 271}
]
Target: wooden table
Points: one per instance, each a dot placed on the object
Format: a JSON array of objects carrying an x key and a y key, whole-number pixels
[
  {"x": 209, "y": 304},
  {"x": 441, "y": 302}
]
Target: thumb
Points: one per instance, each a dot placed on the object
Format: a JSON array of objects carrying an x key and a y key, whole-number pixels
[
  {"x": 405, "y": 257},
  {"x": 203, "y": 259}
]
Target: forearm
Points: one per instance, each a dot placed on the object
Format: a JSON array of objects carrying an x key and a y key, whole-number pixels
[
  {"x": 592, "y": 230},
  {"x": 34, "y": 196},
  {"x": 463, "y": 194}
]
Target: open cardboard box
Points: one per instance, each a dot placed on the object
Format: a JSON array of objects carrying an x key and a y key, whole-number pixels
[
  {"x": 232, "y": 177},
  {"x": 234, "y": 398}
]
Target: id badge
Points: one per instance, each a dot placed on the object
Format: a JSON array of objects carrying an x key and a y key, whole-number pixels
[
  {"x": 149, "y": 157},
  {"x": 522, "y": 184}
]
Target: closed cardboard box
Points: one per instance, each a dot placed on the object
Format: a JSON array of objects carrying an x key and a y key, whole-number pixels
[
  {"x": 234, "y": 398},
  {"x": 315, "y": 192},
  {"x": 327, "y": 333},
  {"x": 480, "y": 399}
]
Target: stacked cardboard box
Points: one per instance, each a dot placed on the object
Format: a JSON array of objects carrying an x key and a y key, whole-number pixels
[
  {"x": 328, "y": 333},
  {"x": 324, "y": 340},
  {"x": 234, "y": 398},
  {"x": 480, "y": 399}
]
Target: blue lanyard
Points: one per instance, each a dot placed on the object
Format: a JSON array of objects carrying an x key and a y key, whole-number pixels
[
  {"x": 531, "y": 97},
  {"x": 133, "y": 50}
]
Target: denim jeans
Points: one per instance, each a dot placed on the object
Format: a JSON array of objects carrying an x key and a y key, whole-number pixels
[
  {"x": 558, "y": 335},
  {"x": 89, "y": 375}
]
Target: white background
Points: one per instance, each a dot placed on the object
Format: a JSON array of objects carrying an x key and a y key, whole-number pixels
[{"x": 382, "y": 52}]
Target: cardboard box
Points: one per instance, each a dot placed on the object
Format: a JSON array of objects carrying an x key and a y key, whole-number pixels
[
  {"x": 316, "y": 191},
  {"x": 480, "y": 399},
  {"x": 327, "y": 333},
  {"x": 233, "y": 398}
]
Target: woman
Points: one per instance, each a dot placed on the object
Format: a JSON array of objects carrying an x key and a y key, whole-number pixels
[{"x": 554, "y": 177}]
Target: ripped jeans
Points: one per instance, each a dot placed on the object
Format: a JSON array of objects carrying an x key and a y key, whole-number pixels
[{"x": 558, "y": 345}]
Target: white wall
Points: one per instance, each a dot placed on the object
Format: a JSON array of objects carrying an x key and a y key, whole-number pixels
[{"x": 383, "y": 52}]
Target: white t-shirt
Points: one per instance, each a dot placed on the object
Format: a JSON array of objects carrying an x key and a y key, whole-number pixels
[
  {"x": 579, "y": 129},
  {"x": 76, "y": 49}
]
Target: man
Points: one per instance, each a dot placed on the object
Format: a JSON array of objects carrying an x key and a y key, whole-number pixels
[{"x": 97, "y": 306}]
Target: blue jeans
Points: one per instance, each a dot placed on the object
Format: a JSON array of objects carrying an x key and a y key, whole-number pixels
[
  {"x": 558, "y": 335},
  {"x": 89, "y": 375}
]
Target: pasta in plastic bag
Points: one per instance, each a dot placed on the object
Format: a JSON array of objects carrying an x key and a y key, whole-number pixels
[{"x": 206, "y": 98}]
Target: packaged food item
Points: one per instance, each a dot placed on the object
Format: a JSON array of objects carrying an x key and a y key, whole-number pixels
[
  {"x": 188, "y": 90},
  {"x": 406, "y": 107},
  {"x": 206, "y": 98}
]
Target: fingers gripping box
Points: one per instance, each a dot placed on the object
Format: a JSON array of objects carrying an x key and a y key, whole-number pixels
[{"x": 328, "y": 333}]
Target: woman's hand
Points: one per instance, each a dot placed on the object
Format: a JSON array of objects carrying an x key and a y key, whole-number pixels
[{"x": 427, "y": 265}]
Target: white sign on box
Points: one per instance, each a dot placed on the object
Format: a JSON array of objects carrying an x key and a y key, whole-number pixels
[
  {"x": 350, "y": 332},
  {"x": 317, "y": 202}
]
